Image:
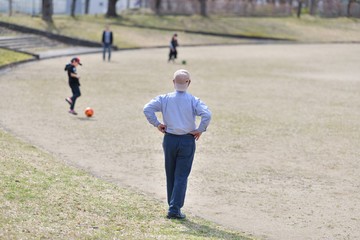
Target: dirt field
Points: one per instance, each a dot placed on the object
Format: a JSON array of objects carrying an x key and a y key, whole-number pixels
[{"x": 281, "y": 156}]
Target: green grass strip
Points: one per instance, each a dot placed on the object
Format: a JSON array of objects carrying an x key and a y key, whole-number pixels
[
  {"x": 43, "y": 198},
  {"x": 127, "y": 33},
  {"x": 8, "y": 56}
]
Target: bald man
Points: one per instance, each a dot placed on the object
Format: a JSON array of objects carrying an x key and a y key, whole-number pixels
[{"x": 179, "y": 110}]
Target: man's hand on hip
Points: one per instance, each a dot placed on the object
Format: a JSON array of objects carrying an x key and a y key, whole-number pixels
[
  {"x": 161, "y": 128},
  {"x": 196, "y": 134}
]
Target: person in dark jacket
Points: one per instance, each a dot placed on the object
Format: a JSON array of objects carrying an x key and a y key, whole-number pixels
[
  {"x": 107, "y": 40},
  {"x": 74, "y": 83},
  {"x": 173, "y": 52}
]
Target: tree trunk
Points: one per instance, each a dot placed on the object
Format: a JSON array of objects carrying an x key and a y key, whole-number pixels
[
  {"x": 140, "y": 3},
  {"x": 313, "y": 6},
  {"x": 47, "y": 10},
  {"x": 348, "y": 10},
  {"x": 10, "y": 8},
  {"x": 299, "y": 8},
  {"x": 157, "y": 6},
  {"x": 128, "y": 4},
  {"x": 203, "y": 10},
  {"x": 87, "y": 4},
  {"x": 111, "y": 11},
  {"x": 73, "y": 6},
  {"x": 290, "y": 6},
  {"x": 169, "y": 7}
]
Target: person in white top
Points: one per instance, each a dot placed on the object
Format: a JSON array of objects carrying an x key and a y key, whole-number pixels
[{"x": 179, "y": 111}]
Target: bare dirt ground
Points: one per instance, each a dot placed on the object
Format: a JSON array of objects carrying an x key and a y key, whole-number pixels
[{"x": 280, "y": 159}]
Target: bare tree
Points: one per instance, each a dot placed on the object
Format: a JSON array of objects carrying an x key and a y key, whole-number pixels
[
  {"x": 291, "y": 3},
  {"x": 169, "y": 6},
  {"x": 10, "y": 8},
  {"x": 203, "y": 8},
  {"x": 313, "y": 5},
  {"x": 299, "y": 8},
  {"x": 111, "y": 11},
  {"x": 146, "y": 4},
  {"x": 157, "y": 6},
  {"x": 140, "y": 3},
  {"x": 73, "y": 7},
  {"x": 348, "y": 10},
  {"x": 47, "y": 10},
  {"x": 87, "y": 4}
]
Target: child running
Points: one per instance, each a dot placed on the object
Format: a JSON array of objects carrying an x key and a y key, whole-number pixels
[{"x": 74, "y": 83}]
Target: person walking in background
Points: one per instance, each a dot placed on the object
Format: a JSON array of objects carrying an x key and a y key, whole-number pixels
[
  {"x": 107, "y": 40},
  {"x": 74, "y": 83},
  {"x": 173, "y": 45},
  {"x": 179, "y": 110}
]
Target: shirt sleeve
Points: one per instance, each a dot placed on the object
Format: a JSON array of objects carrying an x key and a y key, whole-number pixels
[
  {"x": 151, "y": 108},
  {"x": 203, "y": 111},
  {"x": 73, "y": 70}
]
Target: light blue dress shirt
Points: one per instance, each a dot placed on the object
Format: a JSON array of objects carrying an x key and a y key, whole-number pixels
[{"x": 179, "y": 111}]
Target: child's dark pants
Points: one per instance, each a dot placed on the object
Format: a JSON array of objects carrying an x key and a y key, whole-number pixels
[{"x": 76, "y": 93}]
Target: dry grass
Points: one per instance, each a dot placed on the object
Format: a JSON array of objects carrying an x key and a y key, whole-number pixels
[
  {"x": 124, "y": 36},
  {"x": 44, "y": 199},
  {"x": 306, "y": 29},
  {"x": 8, "y": 56},
  {"x": 127, "y": 35}
]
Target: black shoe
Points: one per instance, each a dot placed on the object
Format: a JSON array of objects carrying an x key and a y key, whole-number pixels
[
  {"x": 72, "y": 112},
  {"x": 176, "y": 216}
]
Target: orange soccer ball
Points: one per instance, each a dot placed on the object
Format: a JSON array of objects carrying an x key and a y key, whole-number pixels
[{"x": 89, "y": 112}]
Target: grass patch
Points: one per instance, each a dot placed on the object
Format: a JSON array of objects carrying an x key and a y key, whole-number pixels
[
  {"x": 42, "y": 198},
  {"x": 128, "y": 34},
  {"x": 8, "y": 56},
  {"x": 125, "y": 34}
]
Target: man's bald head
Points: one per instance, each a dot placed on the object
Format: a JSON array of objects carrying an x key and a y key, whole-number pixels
[{"x": 181, "y": 80}]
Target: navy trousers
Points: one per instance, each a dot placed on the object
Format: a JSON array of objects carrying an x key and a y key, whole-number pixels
[
  {"x": 76, "y": 93},
  {"x": 179, "y": 151},
  {"x": 106, "y": 48},
  {"x": 172, "y": 54}
]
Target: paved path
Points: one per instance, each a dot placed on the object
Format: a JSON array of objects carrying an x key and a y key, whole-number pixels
[
  {"x": 40, "y": 46},
  {"x": 69, "y": 51}
]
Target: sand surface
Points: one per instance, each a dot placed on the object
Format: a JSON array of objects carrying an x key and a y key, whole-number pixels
[{"x": 280, "y": 159}]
